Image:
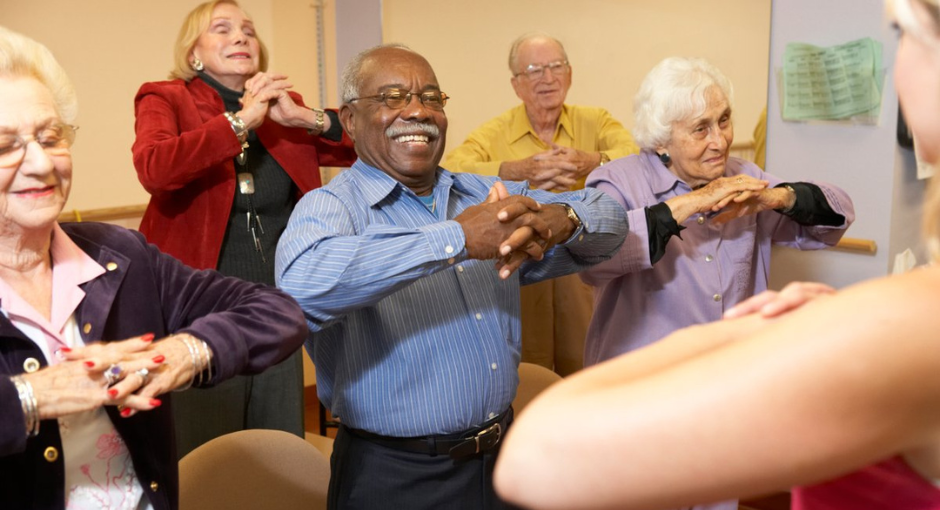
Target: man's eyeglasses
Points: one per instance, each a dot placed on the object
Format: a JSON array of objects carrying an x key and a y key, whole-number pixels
[
  {"x": 535, "y": 71},
  {"x": 396, "y": 99},
  {"x": 55, "y": 139}
]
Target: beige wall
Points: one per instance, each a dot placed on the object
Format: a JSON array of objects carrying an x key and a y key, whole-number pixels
[
  {"x": 611, "y": 44},
  {"x": 111, "y": 47}
]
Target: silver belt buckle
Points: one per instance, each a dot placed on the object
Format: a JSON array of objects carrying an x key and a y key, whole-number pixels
[{"x": 485, "y": 432}]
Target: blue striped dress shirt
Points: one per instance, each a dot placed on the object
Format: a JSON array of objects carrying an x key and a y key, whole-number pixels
[{"x": 409, "y": 336}]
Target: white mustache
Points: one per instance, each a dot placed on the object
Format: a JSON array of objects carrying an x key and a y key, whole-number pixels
[{"x": 411, "y": 129}]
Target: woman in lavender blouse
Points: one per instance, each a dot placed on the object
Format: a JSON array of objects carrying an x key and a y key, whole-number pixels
[{"x": 701, "y": 223}]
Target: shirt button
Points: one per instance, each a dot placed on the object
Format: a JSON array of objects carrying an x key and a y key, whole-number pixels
[
  {"x": 451, "y": 260},
  {"x": 580, "y": 237},
  {"x": 31, "y": 365},
  {"x": 154, "y": 486},
  {"x": 709, "y": 258},
  {"x": 448, "y": 249},
  {"x": 111, "y": 266},
  {"x": 459, "y": 269},
  {"x": 86, "y": 328},
  {"x": 479, "y": 316},
  {"x": 700, "y": 220},
  {"x": 717, "y": 297},
  {"x": 51, "y": 454},
  {"x": 492, "y": 415},
  {"x": 493, "y": 366}
]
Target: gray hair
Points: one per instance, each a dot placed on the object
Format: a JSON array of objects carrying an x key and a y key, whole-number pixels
[
  {"x": 672, "y": 91},
  {"x": 351, "y": 80},
  {"x": 514, "y": 49},
  {"x": 22, "y": 57}
]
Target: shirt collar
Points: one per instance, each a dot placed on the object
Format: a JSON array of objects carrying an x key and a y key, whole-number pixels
[
  {"x": 377, "y": 185},
  {"x": 71, "y": 267},
  {"x": 521, "y": 126},
  {"x": 661, "y": 180}
]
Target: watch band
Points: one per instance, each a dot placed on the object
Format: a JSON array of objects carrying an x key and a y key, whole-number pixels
[
  {"x": 318, "y": 126},
  {"x": 604, "y": 159},
  {"x": 572, "y": 215}
]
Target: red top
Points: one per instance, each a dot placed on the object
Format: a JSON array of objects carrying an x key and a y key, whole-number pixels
[
  {"x": 184, "y": 155},
  {"x": 889, "y": 485}
]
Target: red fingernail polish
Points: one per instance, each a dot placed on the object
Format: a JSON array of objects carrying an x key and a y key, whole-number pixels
[
  {"x": 65, "y": 349},
  {"x": 90, "y": 364},
  {"x": 126, "y": 412},
  {"x": 147, "y": 338},
  {"x": 155, "y": 402},
  {"x": 159, "y": 359},
  {"x": 112, "y": 392}
]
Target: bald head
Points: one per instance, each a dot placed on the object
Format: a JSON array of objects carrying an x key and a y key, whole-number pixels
[{"x": 531, "y": 38}]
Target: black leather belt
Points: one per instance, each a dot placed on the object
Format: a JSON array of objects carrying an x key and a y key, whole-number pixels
[{"x": 463, "y": 444}]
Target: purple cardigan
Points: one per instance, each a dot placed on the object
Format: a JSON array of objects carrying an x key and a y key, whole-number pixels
[{"x": 249, "y": 327}]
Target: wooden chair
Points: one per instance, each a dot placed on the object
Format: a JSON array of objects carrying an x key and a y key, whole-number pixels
[
  {"x": 532, "y": 380},
  {"x": 253, "y": 469}
]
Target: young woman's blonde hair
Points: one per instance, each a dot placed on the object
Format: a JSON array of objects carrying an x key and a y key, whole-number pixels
[
  {"x": 195, "y": 24},
  {"x": 903, "y": 13},
  {"x": 22, "y": 57}
]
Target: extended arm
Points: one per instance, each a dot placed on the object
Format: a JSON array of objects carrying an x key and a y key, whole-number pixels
[
  {"x": 602, "y": 232},
  {"x": 739, "y": 407},
  {"x": 333, "y": 261}
]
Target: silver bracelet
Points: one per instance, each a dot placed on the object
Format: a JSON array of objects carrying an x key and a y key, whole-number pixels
[
  {"x": 208, "y": 358},
  {"x": 239, "y": 127},
  {"x": 192, "y": 356},
  {"x": 28, "y": 402}
]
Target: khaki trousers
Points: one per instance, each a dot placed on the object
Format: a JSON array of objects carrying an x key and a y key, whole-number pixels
[{"x": 555, "y": 318}]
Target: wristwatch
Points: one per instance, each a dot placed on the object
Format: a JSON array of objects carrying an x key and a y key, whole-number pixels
[
  {"x": 318, "y": 127},
  {"x": 573, "y": 216},
  {"x": 604, "y": 159}
]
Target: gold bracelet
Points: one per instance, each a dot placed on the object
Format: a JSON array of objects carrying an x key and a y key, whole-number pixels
[{"x": 318, "y": 127}]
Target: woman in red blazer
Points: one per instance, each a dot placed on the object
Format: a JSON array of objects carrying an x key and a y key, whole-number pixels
[{"x": 225, "y": 151}]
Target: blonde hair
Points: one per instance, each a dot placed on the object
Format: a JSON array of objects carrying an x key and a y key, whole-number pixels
[
  {"x": 22, "y": 57},
  {"x": 195, "y": 24},
  {"x": 902, "y": 11}
]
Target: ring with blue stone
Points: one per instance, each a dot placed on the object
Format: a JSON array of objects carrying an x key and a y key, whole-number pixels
[{"x": 113, "y": 374}]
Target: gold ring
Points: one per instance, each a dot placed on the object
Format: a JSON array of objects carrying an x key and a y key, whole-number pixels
[{"x": 739, "y": 180}]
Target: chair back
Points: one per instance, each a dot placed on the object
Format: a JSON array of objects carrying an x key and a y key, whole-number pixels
[
  {"x": 532, "y": 380},
  {"x": 253, "y": 469}
]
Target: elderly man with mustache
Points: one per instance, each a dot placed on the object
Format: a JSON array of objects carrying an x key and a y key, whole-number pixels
[{"x": 414, "y": 333}]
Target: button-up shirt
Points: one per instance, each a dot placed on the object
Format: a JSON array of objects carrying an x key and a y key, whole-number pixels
[
  {"x": 510, "y": 136},
  {"x": 711, "y": 268},
  {"x": 410, "y": 337}
]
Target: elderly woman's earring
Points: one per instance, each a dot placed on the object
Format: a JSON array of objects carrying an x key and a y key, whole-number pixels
[
  {"x": 197, "y": 64},
  {"x": 664, "y": 157}
]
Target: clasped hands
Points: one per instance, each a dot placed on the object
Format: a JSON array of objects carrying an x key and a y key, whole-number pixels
[
  {"x": 129, "y": 374},
  {"x": 731, "y": 197},
  {"x": 512, "y": 229},
  {"x": 558, "y": 168},
  {"x": 266, "y": 96}
]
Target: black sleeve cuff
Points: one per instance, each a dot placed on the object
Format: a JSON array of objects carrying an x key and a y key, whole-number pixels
[
  {"x": 660, "y": 226},
  {"x": 335, "y": 133},
  {"x": 811, "y": 207}
]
